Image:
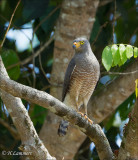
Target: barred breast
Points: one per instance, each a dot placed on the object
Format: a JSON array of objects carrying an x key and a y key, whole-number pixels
[{"x": 83, "y": 82}]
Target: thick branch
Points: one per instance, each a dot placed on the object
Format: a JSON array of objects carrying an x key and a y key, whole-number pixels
[
  {"x": 94, "y": 132},
  {"x": 129, "y": 146},
  {"x": 30, "y": 140}
]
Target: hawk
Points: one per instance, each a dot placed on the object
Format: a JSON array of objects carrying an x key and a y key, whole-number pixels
[{"x": 80, "y": 79}]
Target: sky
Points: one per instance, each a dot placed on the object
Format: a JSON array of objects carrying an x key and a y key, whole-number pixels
[{"x": 23, "y": 37}]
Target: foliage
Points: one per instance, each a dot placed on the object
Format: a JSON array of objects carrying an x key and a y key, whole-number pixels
[
  {"x": 9, "y": 57},
  {"x": 114, "y": 55},
  {"x": 136, "y": 88}
]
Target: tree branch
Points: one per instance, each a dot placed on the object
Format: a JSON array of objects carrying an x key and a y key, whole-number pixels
[
  {"x": 94, "y": 132},
  {"x": 129, "y": 145},
  {"x": 120, "y": 73},
  {"x": 1, "y": 45},
  {"x": 30, "y": 140}
]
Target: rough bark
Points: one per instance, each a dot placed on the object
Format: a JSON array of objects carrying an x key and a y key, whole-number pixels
[
  {"x": 31, "y": 144},
  {"x": 129, "y": 145},
  {"x": 94, "y": 131},
  {"x": 76, "y": 19}
]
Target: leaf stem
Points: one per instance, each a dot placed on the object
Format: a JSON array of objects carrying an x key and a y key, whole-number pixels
[{"x": 1, "y": 45}]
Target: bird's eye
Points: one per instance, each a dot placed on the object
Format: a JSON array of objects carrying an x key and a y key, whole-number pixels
[{"x": 81, "y": 42}]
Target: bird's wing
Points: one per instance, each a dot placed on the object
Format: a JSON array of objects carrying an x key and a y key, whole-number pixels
[{"x": 67, "y": 78}]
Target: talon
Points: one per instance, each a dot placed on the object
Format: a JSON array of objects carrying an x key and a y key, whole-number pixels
[
  {"x": 81, "y": 114},
  {"x": 86, "y": 117},
  {"x": 90, "y": 121}
]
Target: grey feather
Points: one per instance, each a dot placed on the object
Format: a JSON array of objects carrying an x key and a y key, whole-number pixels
[
  {"x": 67, "y": 78},
  {"x": 80, "y": 79},
  {"x": 63, "y": 127}
]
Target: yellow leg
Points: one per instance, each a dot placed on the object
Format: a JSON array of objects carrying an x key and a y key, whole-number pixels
[
  {"x": 86, "y": 117},
  {"x": 89, "y": 120}
]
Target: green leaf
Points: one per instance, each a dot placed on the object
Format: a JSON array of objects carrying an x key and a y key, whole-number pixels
[
  {"x": 113, "y": 65},
  {"x": 9, "y": 57},
  {"x": 107, "y": 58},
  {"x": 135, "y": 52},
  {"x": 116, "y": 55},
  {"x": 120, "y": 63},
  {"x": 122, "y": 52},
  {"x": 129, "y": 51}
]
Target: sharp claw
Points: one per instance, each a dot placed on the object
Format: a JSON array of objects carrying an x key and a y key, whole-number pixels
[
  {"x": 90, "y": 121},
  {"x": 86, "y": 117},
  {"x": 81, "y": 114}
]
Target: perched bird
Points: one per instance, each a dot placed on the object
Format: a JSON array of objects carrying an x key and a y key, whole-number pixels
[{"x": 80, "y": 79}]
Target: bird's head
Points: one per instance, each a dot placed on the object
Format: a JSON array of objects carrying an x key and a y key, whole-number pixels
[{"x": 80, "y": 44}]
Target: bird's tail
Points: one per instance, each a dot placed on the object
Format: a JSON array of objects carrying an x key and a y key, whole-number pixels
[{"x": 63, "y": 127}]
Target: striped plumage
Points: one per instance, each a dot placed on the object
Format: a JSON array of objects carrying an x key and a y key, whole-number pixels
[{"x": 80, "y": 79}]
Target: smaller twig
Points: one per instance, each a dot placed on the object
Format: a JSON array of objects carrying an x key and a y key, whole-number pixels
[
  {"x": 13, "y": 131},
  {"x": 29, "y": 81},
  {"x": 39, "y": 114},
  {"x": 27, "y": 60},
  {"x": 105, "y": 2},
  {"x": 101, "y": 27},
  {"x": 19, "y": 29},
  {"x": 41, "y": 67},
  {"x": 120, "y": 73},
  {"x": 114, "y": 18},
  {"x": 135, "y": 31},
  {"x": 1, "y": 45},
  {"x": 13, "y": 145},
  {"x": 43, "y": 20},
  {"x": 46, "y": 87},
  {"x": 33, "y": 61}
]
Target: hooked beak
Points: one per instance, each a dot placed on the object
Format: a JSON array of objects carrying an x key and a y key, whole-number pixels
[{"x": 76, "y": 45}]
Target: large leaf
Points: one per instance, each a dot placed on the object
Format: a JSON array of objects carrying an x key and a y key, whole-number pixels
[
  {"x": 116, "y": 55},
  {"x": 135, "y": 52},
  {"x": 136, "y": 88},
  {"x": 9, "y": 57},
  {"x": 129, "y": 51},
  {"x": 107, "y": 58},
  {"x": 122, "y": 51}
]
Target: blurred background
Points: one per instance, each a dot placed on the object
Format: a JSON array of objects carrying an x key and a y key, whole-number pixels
[{"x": 34, "y": 26}]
